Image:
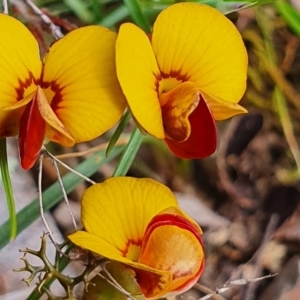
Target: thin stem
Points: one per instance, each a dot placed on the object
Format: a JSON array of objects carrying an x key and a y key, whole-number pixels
[
  {"x": 68, "y": 168},
  {"x": 129, "y": 153},
  {"x": 40, "y": 175},
  {"x": 54, "y": 29},
  {"x": 64, "y": 194},
  {"x": 5, "y": 7}
]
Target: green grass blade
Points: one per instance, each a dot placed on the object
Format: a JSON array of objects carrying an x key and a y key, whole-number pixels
[
  {"x": 81, "y": 10},
  {"x": 289, "y": 14},
  {"x": 129, "y": 153},
  {"x": 54, "y": 194},
  {"x": 137, "y": 15},
  {"x": 8, "y": 189},
  {"x": 113, "y": 140},
  {"x": 116, "y": 16}
]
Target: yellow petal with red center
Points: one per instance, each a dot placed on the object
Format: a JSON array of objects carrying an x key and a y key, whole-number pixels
[
  {"x": 172, "y": 243},
  {"x": 222, "y": 110},
  {"x": 205, "y": 48},
  {"x": 55, "y": 130},
  {"x": 139, "y": 76},
  {"x": 151, "y": 280},
  {"x": 20, "y": 67},
  {"x": 176, "y": 106},
  {"x": 124, "y": 206},
  {"x": 80, "y": 82}
]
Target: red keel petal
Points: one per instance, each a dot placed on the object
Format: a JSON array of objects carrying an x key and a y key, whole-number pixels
[
  {"x": 202, "y": 141},
  {"x": 31, "y": 135}
]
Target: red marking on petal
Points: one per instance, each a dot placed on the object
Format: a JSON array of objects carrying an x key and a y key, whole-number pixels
[
  {"x": 202, "y": 141},
  {"x": 31, "y": 135},
  {"x": 128, "y": 244},
  {"x": 175, "y": 220},
  {"x": 23, "y": 85}
]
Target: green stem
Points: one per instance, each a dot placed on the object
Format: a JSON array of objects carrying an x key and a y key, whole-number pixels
[
  {"x": 113, "y": 140},
  {"x": 129, "y": 153},
  {"x": 8, "y": 189}
]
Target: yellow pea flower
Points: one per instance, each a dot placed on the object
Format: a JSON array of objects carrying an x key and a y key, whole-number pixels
[
  {"x": 138, "y": 223},
  {"x": 190, "y": 72},
  {"x": 72, "y": 96}
]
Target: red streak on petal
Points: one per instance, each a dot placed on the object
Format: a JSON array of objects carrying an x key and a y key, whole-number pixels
[
  {"x": 202, "y": 141},
  {"x": 56, "y": 102},
  {"x": 31, "y": 135},
  {"x": 23, "y": 85},
  {"x": 175, "y": 220},
  {"x": 128, "y": 244}
]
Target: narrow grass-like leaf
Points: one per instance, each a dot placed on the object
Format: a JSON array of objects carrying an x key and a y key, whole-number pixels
[
  {"x": 129, "y": 153},
  {"x": 53, "y": 194},
  {"x": 97, "y": 10},
  {"x": 289, "y": 14},
  {"x": 8, "y": 189},
  {"x": 137, "y": 15},
  {"x": 115, "y": 17},
  {"x": 81, "y": 10},
  {"x": 113, "y": 140}
]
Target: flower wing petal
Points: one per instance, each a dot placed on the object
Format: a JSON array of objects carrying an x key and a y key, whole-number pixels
[
  {"x": 222, "y": 110},
  {"x": 19, "y": 64},
  {"x": 205, "y": 48},
  {"x": 202, "y": 141},
  {"x": 124, "y": 206},
  {"x": 80, "y": 82},
  {"x": 32, "y": 134},
  {"x": 151, "y": 281},
  {"x": 138, "y": 74},
  {"x": 176, "y": 249}
]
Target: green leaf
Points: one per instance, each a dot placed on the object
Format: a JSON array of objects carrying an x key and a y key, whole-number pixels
[
  {"x": 137, "y": 15},
  {"x": 8, "y": 189},
  {"x": 100, "y": 289},
  {"x": 289, "y": 14},
  {"x": 81, "y": 10},
  {"x": 113, "y": 140},
  {"x": 129, "y": 153},
  {"x": 115, "y": 17},
  {"x": 224, "y": 6},
  {"x": 54, "y": 194}
]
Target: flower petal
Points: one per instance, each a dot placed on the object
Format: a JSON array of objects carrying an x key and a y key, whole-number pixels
[
  {"x": 55, "y": 130},
  {"x": 80, "y": 82},
  {"x": 202, "y": 141},
  {"x": 151, "y": 281},
  {"x": 20, "y": 67},
  {"x": 172, "y": 244},
  {"x": 205, "y": 48},
  {"x": 124, "y": 206},
  {"x": 222, "y": 110},
  {"x": 32, "y": 134},
  {"x": 138, "y": 74},
  {"x": 177, "y": 105}
]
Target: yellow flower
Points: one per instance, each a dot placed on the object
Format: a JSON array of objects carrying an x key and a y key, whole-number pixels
[
  {"x": 190, "y": 72},
  {"x": 70, "y": 97},
  {"x": 138, "y": 222}
]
